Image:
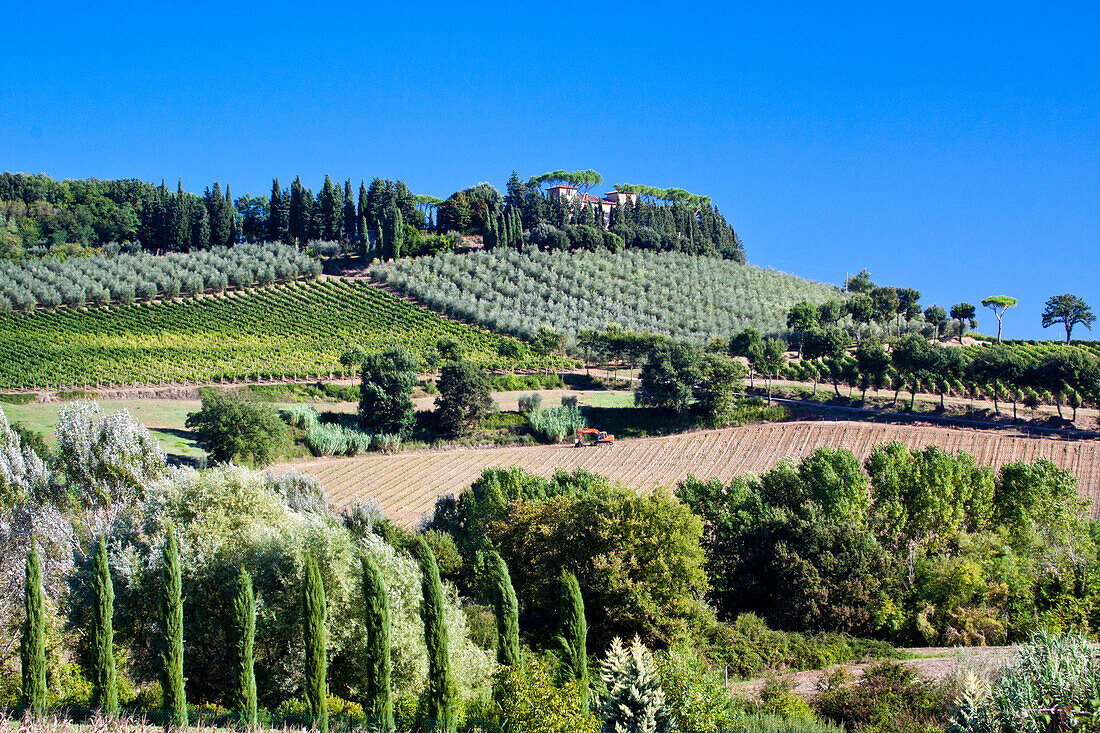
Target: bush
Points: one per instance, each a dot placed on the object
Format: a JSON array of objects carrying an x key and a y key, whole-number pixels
[
  {"x": 890, "y": 698},
  {"x": 301, "y": 416},
  {"x": 464, "y": 400},
  {"x": 697, "y": 699},
  {"x": 386, "y": 443},
  {"x": 530, "y": 403},
  {"x": 748, "y": 648},
  {"x": 229, "y": 427},
  {"x": 526, "y": 700},
  {"x": 1055, "y": 680}
]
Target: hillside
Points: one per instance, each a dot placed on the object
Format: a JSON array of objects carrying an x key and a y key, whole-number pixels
[
  {"x": 288, "y": 331},
  {"x": 671, "y": 293},
  {"x": 406, "y": 485}
]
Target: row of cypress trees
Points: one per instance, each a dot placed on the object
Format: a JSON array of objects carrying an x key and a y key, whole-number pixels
[{"x": 442, "y": 693}]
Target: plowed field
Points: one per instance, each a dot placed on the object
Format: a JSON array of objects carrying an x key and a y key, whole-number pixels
[{"x": 407, "y": 484}]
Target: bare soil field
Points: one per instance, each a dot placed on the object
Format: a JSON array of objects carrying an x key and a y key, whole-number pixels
[{"x": 406, "y": 484}]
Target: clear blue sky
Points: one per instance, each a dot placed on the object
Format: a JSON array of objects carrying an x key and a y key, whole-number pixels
[{"x": 954, "y": 149}]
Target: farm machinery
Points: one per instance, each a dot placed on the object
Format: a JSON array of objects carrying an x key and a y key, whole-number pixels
[{"x": 591, "y": 436}]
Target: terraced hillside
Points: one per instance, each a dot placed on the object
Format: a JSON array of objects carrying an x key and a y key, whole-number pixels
[
  {"x": 406, "y": 485},
  {"x": 288, "y": 331},
  {"x": 679, "y": 295}
]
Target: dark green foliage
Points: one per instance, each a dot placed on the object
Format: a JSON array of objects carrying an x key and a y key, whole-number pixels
[
  {"x": 242, "y": 698},
  {"x": 230, "y": 428},
  {"x": 507, "y": 613},
  {"x": 378, "y": 702},
  {"x": 669, "y": 377},
  {"x": 572, "y": 638},
  {"x": 720, "y": 378},
  {"x": 329, "y": 212},
  {"x": 464, "y": 398},
  {"x": 441, "y": 693},
  {"x": 385, "y": 401},
  {"x": 171, "y": 620},
  {"x": 314, "y": 636},
  {"x": 104, "y": 684},
  {"x": 1068, "y": 310},
  {"x": 33, "y": 640},
  {"x": 30, "y": 438}
]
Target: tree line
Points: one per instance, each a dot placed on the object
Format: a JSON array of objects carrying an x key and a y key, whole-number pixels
[{"x": 383, "y": 219}]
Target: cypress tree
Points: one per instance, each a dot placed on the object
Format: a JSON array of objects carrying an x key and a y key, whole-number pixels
[
  {"x": 517, "y": 229},
  {"x": 379, "y": 702},
  {"x": 441, "y": 687},
  {"x": 507, "y": 613},
  {"x": 171, "y": 655},
  {"x": 314, "y": 613},
  {"x": 364, "y": 238},
  {"x": 297, "y": 214},
  {"x": 243, "y": 696},
  {"x": 33, "y": 642},
  {"x": 276, "y": 217},
  {"x": 572, "y": 635},
  {"x": 363, "y": 206},
  {"x": 231, "y": 212},
  {"x": 328, "y": 211},
  {"x": 350, "y": 217},
  {"x": 487, "y": 233},
  {"x": 104, "y": 685}
]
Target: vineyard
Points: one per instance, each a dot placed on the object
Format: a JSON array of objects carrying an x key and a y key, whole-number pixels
[
  {"x": 126, "y": 278},
  {"x": 406, "y": 485},
  {"x": 679, "y": 295},
  {"x": 290, "y": 331}
]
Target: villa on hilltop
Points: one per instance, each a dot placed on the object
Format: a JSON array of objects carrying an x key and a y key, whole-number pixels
[{"x": 610, "y": 200}]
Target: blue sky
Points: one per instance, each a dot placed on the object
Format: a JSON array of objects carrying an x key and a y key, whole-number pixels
[{"x": 953, "y": 147}]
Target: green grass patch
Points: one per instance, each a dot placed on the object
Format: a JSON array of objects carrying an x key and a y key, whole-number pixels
[{"x": 16, "y": 398}]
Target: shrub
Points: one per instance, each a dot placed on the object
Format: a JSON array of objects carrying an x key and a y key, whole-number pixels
[
  {"x": 697, "y": 699},
  {"x": 229, "y": 427},
  {"x": 526, "y": 700},
  {"x": 1054, "y": 684},
  {"x": 301, "y": 416},
  {"x": 386, "y": 443},
  {"x": 530, "y": 403},
  {"x": 890, "y": 697}
]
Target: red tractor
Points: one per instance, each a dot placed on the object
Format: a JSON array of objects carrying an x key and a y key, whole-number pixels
[{"x": 591, "y": 436}]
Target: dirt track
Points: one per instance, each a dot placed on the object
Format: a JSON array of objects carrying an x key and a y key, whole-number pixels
[
  {"x": 936, "y": 663},
  {"x": 407, "y": 484}
]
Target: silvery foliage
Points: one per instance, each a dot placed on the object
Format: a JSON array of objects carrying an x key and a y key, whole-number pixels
[
  {"x": 1054, "y": 675},
  {"x": 672, "y": 293},
  {"x": 75, "y": 281},
  {"x": 228, "y": 517},
  {"x": 635, "y": 702},
  {"x": 27, "y": 512},
  {"x": 111, "y": 461},
  {"x": 106, "y": 465}
]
